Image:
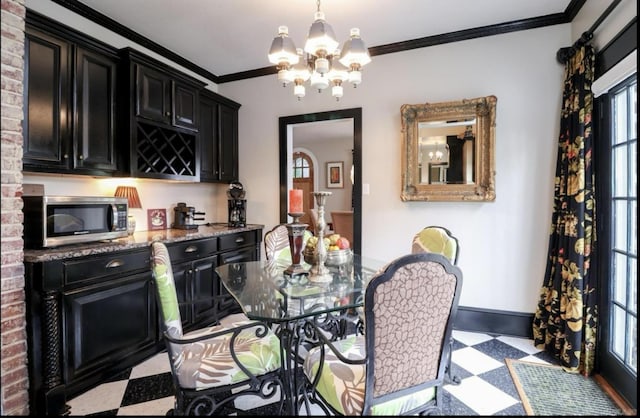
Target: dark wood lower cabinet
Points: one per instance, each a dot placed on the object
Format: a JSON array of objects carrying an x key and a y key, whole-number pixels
[
  {"x": 92, "y": 317},
  {"x": 108, "y": 321}
]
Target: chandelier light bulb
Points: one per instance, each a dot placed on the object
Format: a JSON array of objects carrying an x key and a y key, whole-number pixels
[
  {"x": 322, "y": 65},
  {"x": 299, "y": 91},
  {"x": 285, "y": 77},
  {"x": 355, "y": 77},
  {"x": 319, "y": 81},
  {"x": 336, "y": 91}
]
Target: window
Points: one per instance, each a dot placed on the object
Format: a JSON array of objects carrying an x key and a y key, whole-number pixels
[
  {"x": 301, "y": 166},
  {"x": 624, "y": 226},
  {"x": 617, "y": 228}
]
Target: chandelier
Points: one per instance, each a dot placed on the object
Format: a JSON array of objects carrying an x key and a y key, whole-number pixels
[{"x": 321, "y": 62}]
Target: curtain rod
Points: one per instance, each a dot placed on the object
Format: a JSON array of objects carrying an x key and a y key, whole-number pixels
[{"x": 565, "y": 53}]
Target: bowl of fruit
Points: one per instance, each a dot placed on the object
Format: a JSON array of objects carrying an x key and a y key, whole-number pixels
[{"x": 338, "y": 250}]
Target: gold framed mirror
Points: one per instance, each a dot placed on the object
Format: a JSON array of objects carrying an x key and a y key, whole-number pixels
[{"x": 448, "y": 150}]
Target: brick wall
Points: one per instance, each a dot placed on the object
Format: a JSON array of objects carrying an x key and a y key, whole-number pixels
[{"x": 13, "y": 341}]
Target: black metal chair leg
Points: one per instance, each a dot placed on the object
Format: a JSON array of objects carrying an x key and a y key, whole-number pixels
[{"x": 451, "y": 379}]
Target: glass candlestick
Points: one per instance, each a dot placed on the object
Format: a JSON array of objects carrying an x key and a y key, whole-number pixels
[
  {"x": 296, "y": 241},
  {"x": 319, "y": 272}
]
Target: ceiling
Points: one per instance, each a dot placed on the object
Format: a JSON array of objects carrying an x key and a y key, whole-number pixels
[{"x": 227, "y": 37}]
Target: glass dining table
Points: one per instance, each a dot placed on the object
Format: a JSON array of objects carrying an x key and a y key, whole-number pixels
[{"x": 291, "y": 303}]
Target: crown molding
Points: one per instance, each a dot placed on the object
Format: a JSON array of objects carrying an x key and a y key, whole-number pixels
[{"x": 553, "y": 19}]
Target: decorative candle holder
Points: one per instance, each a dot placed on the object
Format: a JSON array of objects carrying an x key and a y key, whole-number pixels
[
  {"x": 296, "y": 241},
  {"x": 319, "y": 273}
]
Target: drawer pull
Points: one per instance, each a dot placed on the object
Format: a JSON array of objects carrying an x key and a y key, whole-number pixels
[
  {"x": 191, "y": 249},
  {"x": 239, "y": 240},
  {"x": 114, "y": 264}
]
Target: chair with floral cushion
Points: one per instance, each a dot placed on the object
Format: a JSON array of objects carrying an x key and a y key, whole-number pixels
[
  {"x": 398, "y": 366},
  {"x": 436, "y": 239},
  {"x": 276, "y": 245},
  {"x": 213, "y": 366}
]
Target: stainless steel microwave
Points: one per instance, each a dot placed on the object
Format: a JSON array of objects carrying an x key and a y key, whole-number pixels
[{"x": 51, "y": 221}]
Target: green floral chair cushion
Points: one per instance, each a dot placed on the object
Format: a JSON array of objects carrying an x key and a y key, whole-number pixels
[
  {"x": 208, "y": 362},
  {"x": 436, "y": 239},
  {"x": 342, "y": 385},
  {"x": 277, "y": 249}
]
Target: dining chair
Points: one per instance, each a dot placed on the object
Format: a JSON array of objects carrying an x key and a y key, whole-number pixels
[
  {"x": 276, "y": 245},
  {"x": 398, "y": 366},
  {"x": 342, "y": 221},
  {"x": 213, "y": 366},
  {"x": 436, "y": 239}
]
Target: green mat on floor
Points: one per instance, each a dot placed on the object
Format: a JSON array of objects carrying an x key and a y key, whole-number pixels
[{"x": 549, "y": 390}]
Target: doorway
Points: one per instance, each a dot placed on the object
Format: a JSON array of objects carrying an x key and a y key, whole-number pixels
[
  {"x": 286, "y": 129},
  {"x": 304, "y": 169}
]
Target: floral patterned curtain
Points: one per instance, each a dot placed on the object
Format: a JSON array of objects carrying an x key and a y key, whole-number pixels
[{"x": 566, "y": 317}]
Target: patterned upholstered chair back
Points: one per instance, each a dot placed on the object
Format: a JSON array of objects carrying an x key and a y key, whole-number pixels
[
  {"x": 276, "y": 244},
  {"x": 398, "y": 366},
  {"x": 409, "y": 312},
  {"x": 436, "y": 239}
]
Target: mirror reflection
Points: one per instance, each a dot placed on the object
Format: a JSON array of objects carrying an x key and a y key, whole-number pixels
[
  {"x": 330, "y": 139},
  {"x": 448, "y": 150},
  {"x": 445, "y": 153}
]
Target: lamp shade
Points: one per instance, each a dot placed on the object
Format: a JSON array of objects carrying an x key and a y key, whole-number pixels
[{"x": 131, "y": 193}]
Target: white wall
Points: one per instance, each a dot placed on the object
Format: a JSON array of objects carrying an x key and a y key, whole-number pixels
[{"x": 503, "y": 243}]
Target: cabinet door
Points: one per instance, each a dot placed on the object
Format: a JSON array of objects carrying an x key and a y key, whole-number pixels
[
  {"x": 46, "y": 143},
  {"x": 228, "y": 137},
  {"x": 106, "y": 324},
  {"x": 153, "y": 91},
  {"x": 205, "y": 288},
  {"x": 185, "y": 106},
  {"x": 181, "y": 274},
  {"x": 228, "y": 304},
  {"x": 209, "y": 169},
  {"x": 95, "y": 111}
]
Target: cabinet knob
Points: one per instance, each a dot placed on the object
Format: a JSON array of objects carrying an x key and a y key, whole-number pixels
[
  {"x": 167, "y": 113},
  {"x": 81, "y": 157},
  {"x": 65, "y": 156}
]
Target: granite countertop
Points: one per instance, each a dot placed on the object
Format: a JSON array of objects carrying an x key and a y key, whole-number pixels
[{"x": 139, "y": 239}]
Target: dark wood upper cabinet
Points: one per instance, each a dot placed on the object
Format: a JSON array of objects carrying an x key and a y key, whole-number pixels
[
  {"x": 95, "y": 110},
  {"x": 47, "y": 98},
  {"x": 164, "y": 98},
  {"x": 185, "y": 106},
  {"x": 92, "y": 109},
  {"x": 159, "y": 110},
  {"x": 218, "y": 138},
  {"x": 70, "y": 101},
  {"x": 153, "y": 94}
]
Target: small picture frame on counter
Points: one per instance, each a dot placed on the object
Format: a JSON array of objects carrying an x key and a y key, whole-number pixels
[{"x": 156, "y": 219}]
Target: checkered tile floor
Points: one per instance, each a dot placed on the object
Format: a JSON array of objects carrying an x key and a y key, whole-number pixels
[{"x": 478, "y": 359}]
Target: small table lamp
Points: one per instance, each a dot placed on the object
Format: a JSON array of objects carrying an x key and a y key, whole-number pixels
[{"x": 131, "y": 193}]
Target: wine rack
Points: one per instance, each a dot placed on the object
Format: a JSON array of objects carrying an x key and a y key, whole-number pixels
[{"x": 166, "y": 153}]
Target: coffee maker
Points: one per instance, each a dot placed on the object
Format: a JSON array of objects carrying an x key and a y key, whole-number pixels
[
  {"x": 237, "y": 205},
  {"x": 184, "y": 216}
]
